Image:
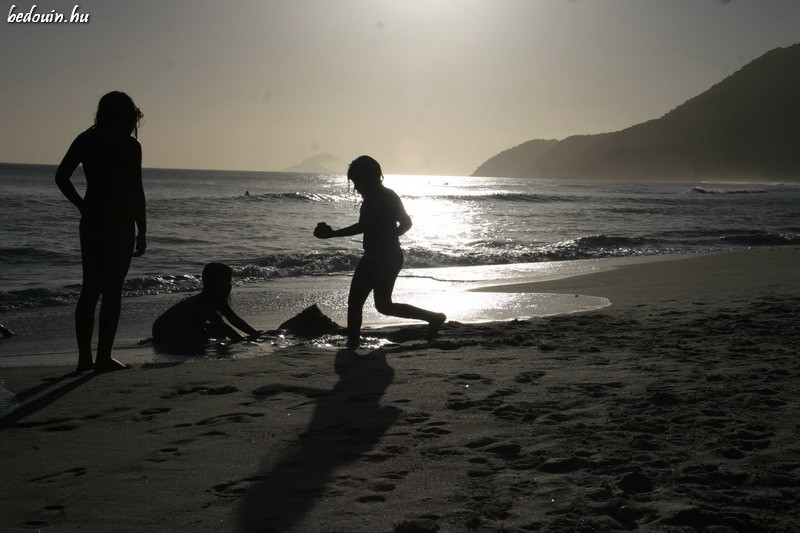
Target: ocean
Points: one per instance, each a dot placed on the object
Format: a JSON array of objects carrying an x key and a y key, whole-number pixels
[
  {"x": 261, "y": 223},
  {"x": 468, "y": 233}
]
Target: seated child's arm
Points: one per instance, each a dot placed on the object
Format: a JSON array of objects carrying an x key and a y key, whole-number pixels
[
  {"x": 220, "y": 326},
  {"x": 237, "y": 321}
]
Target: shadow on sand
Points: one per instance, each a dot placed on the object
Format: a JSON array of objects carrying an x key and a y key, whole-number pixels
[
  {"x": 71, "y": 381},
  {"x": 348, "y": 422}
]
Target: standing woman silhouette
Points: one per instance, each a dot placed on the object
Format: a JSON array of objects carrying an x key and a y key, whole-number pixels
[
  {"x": 382, "y": 220},
  {"x": 111, "y": 210}
]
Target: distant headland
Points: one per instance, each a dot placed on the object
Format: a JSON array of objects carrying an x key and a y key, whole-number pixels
[{"x": 745, "y": 128}]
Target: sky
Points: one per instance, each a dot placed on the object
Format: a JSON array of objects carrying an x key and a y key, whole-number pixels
[{"x": 424, "y": 86}]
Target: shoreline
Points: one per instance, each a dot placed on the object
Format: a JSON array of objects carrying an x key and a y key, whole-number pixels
[
  {"x": 674, "y": 408},
  {"x": 45, "y": 336},
  {"x": 719, "y": 275}
]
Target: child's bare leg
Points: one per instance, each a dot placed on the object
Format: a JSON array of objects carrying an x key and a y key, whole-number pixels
[{"x": 360, "y": 287}]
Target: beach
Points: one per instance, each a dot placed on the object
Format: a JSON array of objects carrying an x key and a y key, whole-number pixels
[{"x": 674, "y": 408}]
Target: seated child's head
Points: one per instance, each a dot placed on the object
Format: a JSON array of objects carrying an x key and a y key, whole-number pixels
[{"x": 217, "y": 280}]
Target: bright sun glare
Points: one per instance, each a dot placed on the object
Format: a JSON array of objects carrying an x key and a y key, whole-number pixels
[{"x": 439, "y": 222}]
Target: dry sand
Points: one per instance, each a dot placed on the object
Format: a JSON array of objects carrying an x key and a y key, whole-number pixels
[{"x": 677, "y": 408}]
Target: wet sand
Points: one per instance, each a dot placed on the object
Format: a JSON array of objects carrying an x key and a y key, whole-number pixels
[{"x": 674, "y": 409}]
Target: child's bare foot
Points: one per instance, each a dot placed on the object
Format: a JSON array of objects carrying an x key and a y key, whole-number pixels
[
  {"x": 353, "y": 344},
  {"x": 109, "y": 365},
  {"x": 436, "y": 324}
]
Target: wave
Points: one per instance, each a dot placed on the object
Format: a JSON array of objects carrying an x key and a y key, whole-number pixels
[
  {"x": 32, "y": 298},
  {"x": 28, "y": 253},
  {"x": 762, "y": 239},
  {"x": 649, "y": 210},
  {"x": 701, "y": 190},
  {"x": 486, "y": 252},
  {"x": 160, "y": 285},
  {"x": 310, "y": 197},
  {"x": 302, "y": 197},
  {"x": 285, "y": 265},
  {"x": 500, "y": 197},
  {"x": 293, "y": 265}
]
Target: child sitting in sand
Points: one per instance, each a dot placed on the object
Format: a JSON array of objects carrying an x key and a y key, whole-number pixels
[{"x": 198, "y": 318}]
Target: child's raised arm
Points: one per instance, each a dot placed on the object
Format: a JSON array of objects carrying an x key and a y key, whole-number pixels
[{"x": 324, "y": 231}]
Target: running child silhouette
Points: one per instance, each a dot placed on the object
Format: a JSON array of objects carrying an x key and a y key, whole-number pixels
[
  {"x": 382, "y": 220},
  {"x": 195, "y": 320}
]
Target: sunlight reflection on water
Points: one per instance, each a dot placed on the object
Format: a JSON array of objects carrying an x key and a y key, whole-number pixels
[{"x": 447, "y": 290}]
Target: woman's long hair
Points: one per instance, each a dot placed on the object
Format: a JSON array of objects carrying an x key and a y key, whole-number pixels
[{"x": 116, "y": 111}]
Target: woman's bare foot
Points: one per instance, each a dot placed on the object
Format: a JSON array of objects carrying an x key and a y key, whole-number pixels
[
  {"x": 436, "y": 324},
  {"x": 84, "y": 365},
  {"x": 109, "y": 365}
]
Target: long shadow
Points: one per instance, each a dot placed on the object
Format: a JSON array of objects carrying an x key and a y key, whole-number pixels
[
  {"x": 348, "y": 422},
  {"x": 26, "y": 410}
]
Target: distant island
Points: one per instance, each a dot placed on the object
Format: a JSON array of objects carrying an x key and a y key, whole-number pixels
[
  {"x": 745, "y": 128},
  {"x": 315, "y": 164}
]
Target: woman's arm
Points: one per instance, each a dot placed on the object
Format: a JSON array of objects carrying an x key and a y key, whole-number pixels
[
  {"x": 140, "y": 212},
  {"x": 64, "y": 176}
]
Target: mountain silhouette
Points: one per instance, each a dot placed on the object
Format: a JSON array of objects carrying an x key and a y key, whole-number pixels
[
  {"x": 315, "y": 163},
  {"x": 744, "y": 128}
]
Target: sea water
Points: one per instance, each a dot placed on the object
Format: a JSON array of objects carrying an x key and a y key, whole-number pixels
[
  {"x": 468, "y": 232},
  {"x": 261, "y": 223}
]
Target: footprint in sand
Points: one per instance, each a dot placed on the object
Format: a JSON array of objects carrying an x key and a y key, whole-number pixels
[
  {"x": 565, "y": 466},
  {"x": 229, "y": 491},
  {"x": 146, "y": 415},
  {"x": 501, "y": 393},
  {"x": 468, "y": 378},
  {"x": 163, "y": 455},
  {"x": 506, "y": 450},
  {"x": 62, "y": 427},
  {"x": 397, "y": 474},
  {"x": 510, "y": 412},
  {"x": 54, "y": 424},
  {"x": 416, "y": 418},
  {"x": 480, "y": 443},
  {"x": 371, "y": 498},
  {"x": 432, "y": 430},
  {"x": 45, "y": 517},
  {"x": 210, "y": 391},
  {"x": 383, "y": 454},
  {"x": 72, "y": 472},
  {"x": 529, "y": 377},
  {"x": 378, "y": 490},
  {"x": 214, "y": 434},
  {"x": 479, "y": 473},
  {"x": 237, "y": 418}
]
